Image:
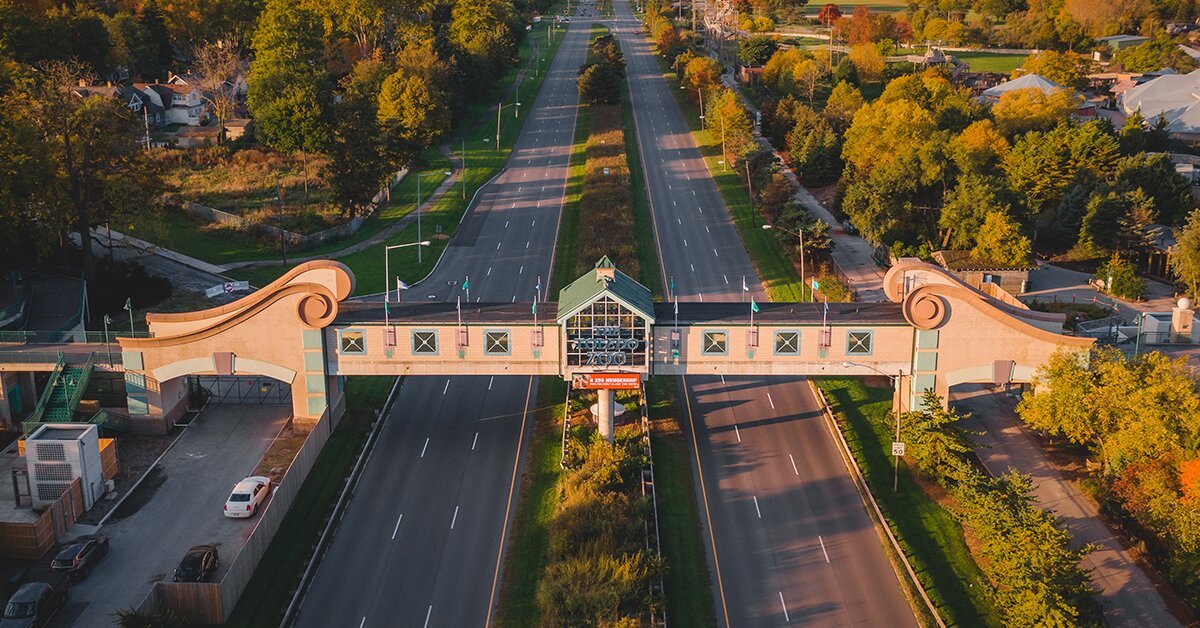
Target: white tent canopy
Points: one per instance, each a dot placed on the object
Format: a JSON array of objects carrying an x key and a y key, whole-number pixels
[
  {"x": 1027, "y": 81},
  {"x": 1176, "y": 97}
]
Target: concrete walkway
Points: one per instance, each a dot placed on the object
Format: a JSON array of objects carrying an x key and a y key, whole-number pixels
[
  {"x": 851, "y": 254},
  {"x": 1127, "y": 593},
  {"x": 1055, "y": 283}
]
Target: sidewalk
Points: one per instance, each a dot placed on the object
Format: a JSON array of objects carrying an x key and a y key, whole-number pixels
[
  {"x": 851, "y": 254},
  {"x": 1128, "y": 595},
  {"x": 1055, "y": 283}
]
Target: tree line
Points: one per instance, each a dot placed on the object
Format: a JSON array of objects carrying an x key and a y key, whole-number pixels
[{"x": 369, "y": 83}]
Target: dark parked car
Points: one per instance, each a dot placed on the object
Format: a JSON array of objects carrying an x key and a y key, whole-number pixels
[
  {"x": 34, "y": 604},
  {"x": 198, "y": 564},
  {"x": 77, "y": 559}
]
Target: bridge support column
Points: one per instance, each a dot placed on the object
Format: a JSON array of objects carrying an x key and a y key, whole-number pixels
[{"x": 604, "y": 416}]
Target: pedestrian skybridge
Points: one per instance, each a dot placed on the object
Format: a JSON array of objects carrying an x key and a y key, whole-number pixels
[{"x": 604, "y": 331}]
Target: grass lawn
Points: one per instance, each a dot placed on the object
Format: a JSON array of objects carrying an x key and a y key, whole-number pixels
[
  {"x": 932, "y": 539},
  {"x": 688, "y": 588},
  {"x": 778, "y": 274},
  {"x": 526, "y": 557},
  {"x": 990, "y": 61},
  {"x": 270, "y": 589},
  {"x": 483, "y": 163}
]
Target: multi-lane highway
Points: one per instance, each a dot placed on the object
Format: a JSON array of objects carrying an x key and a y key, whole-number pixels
[
  {"x": 787, "y": 537},
  {"x": 422, "y": 540}
]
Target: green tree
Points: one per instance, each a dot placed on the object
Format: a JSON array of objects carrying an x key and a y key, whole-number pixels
[
  {"x": 815, "y": 152},
  {"x": 1023, "y": 110},
  {"x": 290, "y": 94},
  {"x": 1120, "y": 278},
  {"x": 414, "y": 112},
  {"x": 131, "y": 46},
  {"x": 1132, "y": 135},
  {"x": 358, "y": 166},
  {"x": 868, "y": 62},
  {"x": 755, "y": 50},
  {"x": 1115, "y": 220},
  {"x": 483, "y": 30},
  {"x": 599, "y": 84},
  {"x": 843, "y": 102},
  {"x": 1185, "y": 262},
  {"x": 157, "y": 36},
  {"x": 809, "y": 78},
  {"x": 979, "y": 149},
  {"x": 1042, "y": 166},
  {"x": 968, "y": 206},
  {"x": 25, "y": 176},
  {"x": 1064, "y": 68},
  {"x": 1001, "y": 241},
  {"x": 1161, "y": 52},
  {"x": 893, "y": 135},
  {"x": 934, "y": 436},
  {"x": 1155, "y": 174}
]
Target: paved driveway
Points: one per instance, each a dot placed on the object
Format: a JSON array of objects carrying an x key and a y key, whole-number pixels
[{"x": 178, "y": 505}]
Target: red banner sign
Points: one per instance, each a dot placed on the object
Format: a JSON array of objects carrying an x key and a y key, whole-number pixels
[{"x": 609, "y": 381}]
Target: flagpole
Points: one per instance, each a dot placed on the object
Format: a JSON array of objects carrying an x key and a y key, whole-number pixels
[
  {"x": 458, "y": 309},
  {"x": 467, "y": 287}
]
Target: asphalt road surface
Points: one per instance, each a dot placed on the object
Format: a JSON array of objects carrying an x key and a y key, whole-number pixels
[
  {"x": 421, "y": 543},
  {"x": 787, "y": 536}
]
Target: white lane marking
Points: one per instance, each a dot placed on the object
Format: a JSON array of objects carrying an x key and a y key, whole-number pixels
[
  {"x": 784, "y": 605},
  {"x": 534, "y": 222},
  {"x": 693, "y": 191},
  {"x": 521, "y": 270},
  {"x": 674, "y": 203},
  {"x": 489, "y": 272},
  {"x": 706, "y": 229},
  {"x": 693, "y": 267},
  {"x": 397, "y": 528},
  {"x": 446, "y": 387},
  {"x": 739, "y": 434},
  {"x": 679, "y": 220},
  {"x": 701, "y": 295},
  {"x": 514, "y": 298},
  {"x": 505, "y": 224},
  {"x": 477, "y": 440},
  {"x": 726, "y": 279},
  {"x": 455, "y": 518},
  {"x": 493, "y": 378},
  {"x": 769, "y": 400},
  {"x": 722, "y": 380},
  {"x": 427, "y": 614},
  {"x": 716, "y": 253},
  {"x": 685, "y": 241},
  {"x": 756, "y": 506},
  {"x": 701, "y": 209},
  {"x": 364, "y": 621},
  {"x": 424, "y": 447},
  {"x": 823, "y": 548},
  {"x": 794, "y": 469},
  {"x": 497, "y": 246},
  {"x": 526, "y": 244}
]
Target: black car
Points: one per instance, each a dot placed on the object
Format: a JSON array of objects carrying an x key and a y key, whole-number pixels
[
  {"x": 77, "y": 559},
  {"x": 198, "y": 564},
  {"x": 34, "y": 604}
]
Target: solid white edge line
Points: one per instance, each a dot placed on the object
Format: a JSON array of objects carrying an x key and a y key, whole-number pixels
[
  {"x": 794, "y": 464},
  {"x": 455, "y": 518},
  {"x": 473, "y": 442},
  {"x": 784, "y": 605},
  {"x": 397, "y": 528},
  {"x": 426, "y": 446},
  {"x": 823, "y": 548},
  {"x": 756, "y": 509},
  {"x": 427, "y": 614}
]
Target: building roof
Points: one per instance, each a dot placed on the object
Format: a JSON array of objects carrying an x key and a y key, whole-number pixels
[
  {"x": 1028, "y": 81},
  {"x": 957, "y": 260},
  {"x": 1173, "y": 96},
  {"x": 605, "y": 278},
  {"x": 1117, "y": 41}
]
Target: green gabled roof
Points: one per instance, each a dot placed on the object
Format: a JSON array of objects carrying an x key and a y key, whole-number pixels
[{"x": 592, "y": 285}]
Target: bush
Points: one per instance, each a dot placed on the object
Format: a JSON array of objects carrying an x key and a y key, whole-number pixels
[{"x": 1125, "y": 283}]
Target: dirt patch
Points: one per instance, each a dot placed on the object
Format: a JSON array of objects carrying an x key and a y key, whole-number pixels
[
  {"x": 135, "y": 454},
  {"x": 278, "y": 458}
]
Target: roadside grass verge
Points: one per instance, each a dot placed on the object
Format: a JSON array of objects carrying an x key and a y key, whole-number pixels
[
  {"x": 439, "y": 223},
  {"x": 687, "y": 583},
  {"x": 931, "y": 538},
  {"x": 527, "y": 546},
  {"x": 776, "y": 270},
  {"x": 270, "y": 589}
]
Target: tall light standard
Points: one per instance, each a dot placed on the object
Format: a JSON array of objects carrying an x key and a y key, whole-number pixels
[
  {"x": 387, "y": 274},
  {"x": 896, "y": 379},
  {"x": 798, "y": 234},
  {"x": 500, "y": 107},
  {"x": 700, "y": 94},
  {"x": 419, "y": 175}
]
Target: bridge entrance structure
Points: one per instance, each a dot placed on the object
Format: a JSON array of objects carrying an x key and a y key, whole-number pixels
[{"x": 604, "y": 331}]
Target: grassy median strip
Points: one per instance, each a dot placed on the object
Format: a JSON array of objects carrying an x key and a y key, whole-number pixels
[
  {"x": 526, "y": 557},
  {"x": 688, "y": 587},
  {"x": 270, "y": 589},
  {"x": 439, "y": 222},
  {"x": 931, "y": 537}
]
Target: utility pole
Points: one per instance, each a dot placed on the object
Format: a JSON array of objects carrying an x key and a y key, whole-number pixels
[
  {"x": 499, "y": 108},
  {"x": 464, "y": 168},
  {"x": 282, "y": 233},
  {"x": 724, "y": 157}
]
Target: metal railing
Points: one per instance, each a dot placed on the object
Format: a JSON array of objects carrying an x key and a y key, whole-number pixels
[
  {"x": 44, "y": 400},
  {"x": 108, "y": 418},
  {"x": 68, "y": 336},
  {"x": 81, "y": 385}
]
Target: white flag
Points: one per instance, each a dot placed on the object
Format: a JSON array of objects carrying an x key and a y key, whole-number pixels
[{"x": 745, "y": 288}]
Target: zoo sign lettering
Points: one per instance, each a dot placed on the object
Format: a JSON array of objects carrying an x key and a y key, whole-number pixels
[{"x": 606, "y": 346}]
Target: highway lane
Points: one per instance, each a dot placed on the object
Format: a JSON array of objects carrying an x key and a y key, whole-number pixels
[
  {"x": 423, "y": 537},
  {"x": 787, "y": 536}
]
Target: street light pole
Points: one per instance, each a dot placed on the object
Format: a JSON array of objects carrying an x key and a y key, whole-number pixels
[
  {"x": 387, "y": 291},
  {"x": 464, "y": 168},
  {"x": 896, "y": 379},
  {"x": 499, "y": 108},
  {"x": 799, "y": 233},
  {"x": 418, "y": 216}
]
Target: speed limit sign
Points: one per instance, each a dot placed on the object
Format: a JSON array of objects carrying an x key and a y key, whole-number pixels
[{"x": 898, "y": 449}]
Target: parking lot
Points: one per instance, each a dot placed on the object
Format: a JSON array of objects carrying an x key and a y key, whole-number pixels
[{"x": 177, "y": 506}]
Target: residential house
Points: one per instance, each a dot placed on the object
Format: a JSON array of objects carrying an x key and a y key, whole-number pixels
[
  {"x": 138, "y": 102},
  {"x": 183, "y": 104},
  {"x": 237, "y": 85},
  {"x": 1115, "y": 43}
]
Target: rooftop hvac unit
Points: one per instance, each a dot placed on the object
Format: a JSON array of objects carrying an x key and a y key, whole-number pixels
[{"x": 59, "y": 453}]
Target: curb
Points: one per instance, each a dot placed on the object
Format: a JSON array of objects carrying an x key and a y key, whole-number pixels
[{"x": 864, "y": 492}]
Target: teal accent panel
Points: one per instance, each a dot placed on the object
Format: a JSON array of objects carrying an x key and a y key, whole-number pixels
[
  {"x": 132, "y": 360},
  {"x": 927, "y": 339},
  {"x": 314, "y": 383},
  {"x": 314, "y": 361},
  {"x": 135, "y": 382},
  {"x": 137, "y": 404},
  {"x": 926, "y": 360},
  {"x": 921, "y": 383},
  {"x": 316, "y": 405},
  {"x": 311, "y": 338}
]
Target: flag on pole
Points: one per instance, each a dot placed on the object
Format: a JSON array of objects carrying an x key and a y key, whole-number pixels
[
  {"x": 458, "y": 310},
  {"x": 466, "y": 284},
  {"x": 745, "y": 288},
  {"x": 107, "y": 319},
  {"x": 128, "y": 304},
  {"x": 539, "y": 287},
  {"x": 753, "y": 310}
]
